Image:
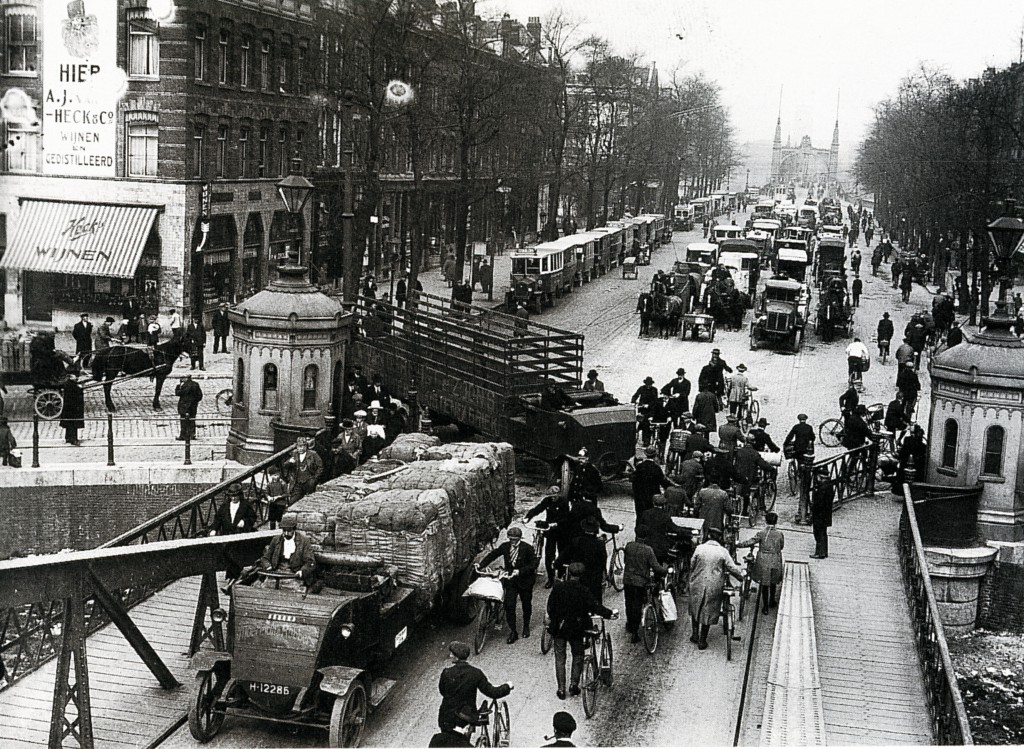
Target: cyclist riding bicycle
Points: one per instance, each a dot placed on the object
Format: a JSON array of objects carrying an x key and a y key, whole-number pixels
[
  {"x": 856, "y": 354},
  {"x": 459, "y": 684},
  {"x": 662, "y": 534},
  {"x": 885, "y": 333}
]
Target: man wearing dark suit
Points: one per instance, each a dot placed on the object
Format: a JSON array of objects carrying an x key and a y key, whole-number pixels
[
  {"x": 662, "y": 533},
  {"x": 82, "y": 333},
  {"x": 196, "y": 336},
  {"x": 520, "y": 562},
  {"x": 362, "y": 384},
  {"x": 304, "y": 469},
  {"x": 714, "y": 507},
  {"x": 189, "y": 395},
  {"x": 589, "y": 551},
  {"x": 569, "y": 608},
  {"x": 377, "y": 392},
  {"x": 221, "y": 328},
  {"x": 459, "y": 684},
  {"x": 289, "y": 552},
  {"x": 678, "y": 393},
  {"x": 234, "y": 516}
]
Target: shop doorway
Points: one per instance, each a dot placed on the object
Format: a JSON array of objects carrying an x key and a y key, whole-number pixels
[{"x": 38, "y": 295}]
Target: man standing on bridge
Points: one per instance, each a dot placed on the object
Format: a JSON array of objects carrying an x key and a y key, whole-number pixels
[{"x": 189, "y": 395}]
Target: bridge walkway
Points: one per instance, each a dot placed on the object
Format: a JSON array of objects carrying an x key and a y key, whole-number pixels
[{"x": 129, "y": 708}]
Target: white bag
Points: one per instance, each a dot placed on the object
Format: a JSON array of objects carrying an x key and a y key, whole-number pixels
[
  {"x": 667, "y": 604},
  {"x": 487, "y": 588}
]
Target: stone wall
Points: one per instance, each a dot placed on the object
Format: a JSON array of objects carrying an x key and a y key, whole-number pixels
[
  {"x": 1001, "y": 598},
  {"x": 81, "y": 508}
]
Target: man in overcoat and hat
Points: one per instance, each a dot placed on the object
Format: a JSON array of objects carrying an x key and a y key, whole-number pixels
[
  {"x": 72, "y": 415},
  {"x": 708, "y": 568}
]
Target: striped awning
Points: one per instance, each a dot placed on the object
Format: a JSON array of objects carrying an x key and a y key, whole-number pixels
[{"x": 85, "y": 239}]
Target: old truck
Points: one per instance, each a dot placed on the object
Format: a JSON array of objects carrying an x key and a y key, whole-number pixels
[
  {"x": 388, "y": 548},
  {"x": 829, "y": 260},
  {"x": 781, "y": 315},
  {"x": 502, "y": 377}
]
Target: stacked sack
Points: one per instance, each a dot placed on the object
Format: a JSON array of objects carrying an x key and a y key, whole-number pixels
[
  {"x": 316, "y": 512},
  {"x": 411, "y": 530},
  {"x": 501, "y": 456},
  {"x": 406, "y": 446}
]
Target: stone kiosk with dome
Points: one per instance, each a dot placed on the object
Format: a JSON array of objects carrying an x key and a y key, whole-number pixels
[
  {"x": 290, "y": 343},
  {"x": 977, "y": 456}
]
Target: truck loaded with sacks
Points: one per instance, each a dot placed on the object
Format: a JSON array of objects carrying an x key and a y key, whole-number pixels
[{"x": 392, "y": 541}]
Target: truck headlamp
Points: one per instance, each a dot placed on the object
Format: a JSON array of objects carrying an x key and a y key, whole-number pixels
[{"x": 346, "y": 631}]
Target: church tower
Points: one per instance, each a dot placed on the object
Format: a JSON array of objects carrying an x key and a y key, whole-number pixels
[
  {"x": 777, "y": 152},
  {"x": 833, "y": 156}
]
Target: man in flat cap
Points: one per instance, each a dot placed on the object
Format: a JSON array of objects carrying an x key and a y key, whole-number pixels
[
  {"x": 459, "y": 684},
  {"x": 563, "y": 725},
  {"x": 520, "y": 561}
]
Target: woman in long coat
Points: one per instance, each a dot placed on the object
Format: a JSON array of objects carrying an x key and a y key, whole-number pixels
[
  {"x": 767, "y": 569},
  {"x": 708, "y": 568},
  {"x": 73, "y": 410}
]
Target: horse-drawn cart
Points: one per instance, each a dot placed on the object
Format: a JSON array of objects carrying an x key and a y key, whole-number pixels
[
  {"x": 696, "y": 323},
  {"x": 629, "y": 269}
]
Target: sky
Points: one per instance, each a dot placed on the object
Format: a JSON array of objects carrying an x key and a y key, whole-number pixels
[{"x": 815, "y": 51}]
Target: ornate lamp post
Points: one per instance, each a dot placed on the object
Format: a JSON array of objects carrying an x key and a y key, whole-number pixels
[
  {"x": 1007, "y": 235},
  {"x": 295, "y": 191}
]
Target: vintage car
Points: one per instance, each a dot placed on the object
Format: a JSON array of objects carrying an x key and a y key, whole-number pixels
[
  {"x": 807, "y": 216},
  {"x": 303, "y": 658},
  {"x": 704, "y": 253},
  {"x": 764, "y": 208},
  {"x": 830, "y": 231},
  {"x": 834, "y": 314},
  {"x": 742, "y": 259},
  {"x": 781, "y": 315},
  {"x": 762, "y": 240},
  {"x": 771, "y": 226},
  {"x": 792, "y": 260},
  {"x": 829, "y": 259},
  {"x": 726, "y": 231}
]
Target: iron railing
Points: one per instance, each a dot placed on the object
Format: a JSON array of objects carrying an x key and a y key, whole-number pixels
[
  {"x": 30, "y": 635},
  {"x": 950, "y": 725},
  {"x": 850, "y": 474}
]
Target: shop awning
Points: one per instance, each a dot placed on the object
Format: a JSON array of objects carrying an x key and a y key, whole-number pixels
[{"x": 85, "y": 239}]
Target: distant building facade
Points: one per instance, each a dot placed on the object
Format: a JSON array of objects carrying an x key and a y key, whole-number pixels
[{"x": 804, "y": 164}]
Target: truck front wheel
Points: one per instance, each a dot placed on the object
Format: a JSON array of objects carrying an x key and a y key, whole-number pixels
[{"x": 348, "y": 717}]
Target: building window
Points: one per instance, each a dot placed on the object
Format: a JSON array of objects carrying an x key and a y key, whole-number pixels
[
  {"x": 270, "y": 387},
  {"x": 309, "y": 381},
  {"x": 22, "y": 39},
  {"x": 282, "y": 152},
  {"x": 143, "y": 50},
  {"x": 240, "y": 385},
  {"x": 299, "y": 143},
  {"x": 222, "y": 149},
  {"x": 223, "y": 58},
  {"x": 243, "y": 152},
  {"x": 265, "y": 64},
  {"x": 21, "y": 153},
  {"x": 199, "y": 149},
  {"x": 950, "y": 437},
  {"x": 264, "y": 155},
  {"x": 995, "y": 436},
  {"x": 300, "y": 71},
  {"x": 199, "y": 53},
  {"x": 284, "y": 63},
  {"x": 142, "y": 147},
  {"x": 243, "y": 64}
]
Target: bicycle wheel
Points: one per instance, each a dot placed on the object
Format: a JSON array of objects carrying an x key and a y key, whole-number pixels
[
  {"x": 753, "y": 411},
  {"x": 607, "y": 660},
  {"x": 589, "y": 685},
  {"x": 484, "y": 738},
  {"x": 769, "y": 495},
  {"x": 483, "y": 626},
  {"x": 744, "y": 594},
  {"x": 224, "y": 399},
  {"x": 649, "y": 628},
  {"x": 546, "y": 641},
  {"x": 502, "y": 724},
  {"x": 791, "y": 474},
  {"x": 616, "y": 567},
  {"x": 728, "y": 626},
  {"x": 831, "y": 432}
]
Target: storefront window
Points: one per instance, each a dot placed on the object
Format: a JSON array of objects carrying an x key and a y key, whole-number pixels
[
  {"x": 309, "y": 382},
  {"x": 270, "y": 387}
]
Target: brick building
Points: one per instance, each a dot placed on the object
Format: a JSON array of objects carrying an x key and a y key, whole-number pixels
[{"x": 160, "y": 130}]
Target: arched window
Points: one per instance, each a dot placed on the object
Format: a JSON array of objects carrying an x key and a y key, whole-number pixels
[
  {"x": 995, "y": 437},
  {"x": 309, "y": 383},
  {"x": 270, "y": 387},
  {"x": 949, "y": 443},
  {"x": 240, "y": 385}
]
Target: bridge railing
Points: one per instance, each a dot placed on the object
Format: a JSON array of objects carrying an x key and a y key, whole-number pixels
[
  {"x": 950, "y": 725},
  {"x": 851, "y": 474},
  {"x": 30, "y": 635}
]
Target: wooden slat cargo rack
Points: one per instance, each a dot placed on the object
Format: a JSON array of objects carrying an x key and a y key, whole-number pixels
[{"x": 486, "y": 369}]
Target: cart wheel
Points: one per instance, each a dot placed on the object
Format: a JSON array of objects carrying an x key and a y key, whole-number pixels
[
  {"x": 225, "y": 399},
  {"x": 49, "y": 404},
  {"x": 563, "y": 471},
  {"x": 798, "y": 340},
  {"x": 203, "y": 721},
  {"x": 348, "y": 716}
]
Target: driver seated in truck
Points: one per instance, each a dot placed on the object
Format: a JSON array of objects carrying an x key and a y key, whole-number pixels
[
  {"x": 291, "y": 552},
  {"x": 553, "y": 398},
  {"x": 459, "y": 684}
]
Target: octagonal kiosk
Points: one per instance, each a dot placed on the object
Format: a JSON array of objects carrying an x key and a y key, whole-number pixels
[{"x": 289, "y": 358}]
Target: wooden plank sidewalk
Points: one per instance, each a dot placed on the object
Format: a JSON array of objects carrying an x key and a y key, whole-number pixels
[
  {"x": 129, "y": 708},
  {"x": 871, "y": 683}
]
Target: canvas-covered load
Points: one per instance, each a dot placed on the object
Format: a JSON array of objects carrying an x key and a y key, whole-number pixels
[
  {"x": 316, "y": 512},
  {"x": 499, "y": 453},
  {"x": 406, "y": 446},
  {"x": 411, "y": 530}
]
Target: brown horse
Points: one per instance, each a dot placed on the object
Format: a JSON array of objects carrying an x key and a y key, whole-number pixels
[{"x": 155, "y": 361}]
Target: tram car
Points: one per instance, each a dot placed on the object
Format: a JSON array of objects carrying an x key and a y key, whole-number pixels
[
  {"x": 610, "y": 248},
  {"x": 541, "y": 274},
  {"x": 660, "y": 229}
]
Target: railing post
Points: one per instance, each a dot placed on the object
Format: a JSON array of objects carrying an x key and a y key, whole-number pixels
[
  {"x": 188, "y": 448},
  {"x": 110, "y": 439},
  {"x": 35, "y": 440}
]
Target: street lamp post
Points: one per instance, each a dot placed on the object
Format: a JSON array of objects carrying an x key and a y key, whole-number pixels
[
  {"x": 1007, "y": 236},
  {"x": 295, "y": 191}
]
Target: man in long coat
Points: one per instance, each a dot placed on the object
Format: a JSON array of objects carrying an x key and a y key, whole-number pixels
[
  {"x": 82, "y": 333},
  {"x": 73, "y": 412},
  {"x": 708, "y": 568},
  {"x": 221, "y": 328},
  {"x": 704, "y": 407},
  {"x": 821, "y": 513},
  {"x": 189, "y": 395},
  {"x": 768, "y": 567}
]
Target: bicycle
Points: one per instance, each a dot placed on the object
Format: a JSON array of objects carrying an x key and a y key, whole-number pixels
[
  {"x": 651, "y": 618},
  {"x": 540, "y": 530},
  {"x": 598, "y": 667},
  {"x": 830, "y": 432},
  {"x": 659, "y": 431},
  {"x": 883, "y": 350},
  {"x": 484, "y": 734},
  {"x": 763, "y": 495},
  {"x": 616, "y": 563},
  {"x": 489, "y": 591},
  {"x": 728, "y": 613},
  {"x": 748, "y": 560},
  {"x": 751, "y": 410}
]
